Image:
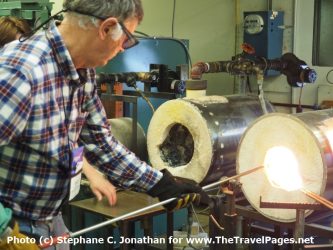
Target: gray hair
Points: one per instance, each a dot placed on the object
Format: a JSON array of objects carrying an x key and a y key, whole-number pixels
[{"x": 120, "y": 9}]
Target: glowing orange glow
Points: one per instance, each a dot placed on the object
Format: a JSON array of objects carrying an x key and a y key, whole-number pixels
[{"x": 281, "y": 169}]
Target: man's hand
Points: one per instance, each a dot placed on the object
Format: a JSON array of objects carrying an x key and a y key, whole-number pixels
[
  {"x": 99, "y": 185},
  {"x": 187, "y": 191}
]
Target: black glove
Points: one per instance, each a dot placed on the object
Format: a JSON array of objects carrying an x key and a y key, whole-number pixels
[
  {"x": 185, "y": 190},
  {"x": 297, "y": 71}
]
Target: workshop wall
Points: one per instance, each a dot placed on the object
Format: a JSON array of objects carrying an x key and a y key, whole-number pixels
[
  {"x": 276, "y": 88},
  {"x": 57, "y": 6},
  {"x": 215, "y": 32},
  {"x": 209, "y": 25},
  {"x": 322, "y": 90}
]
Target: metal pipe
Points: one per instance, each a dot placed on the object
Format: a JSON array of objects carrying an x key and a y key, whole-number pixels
[
  {"x": 295, "y": 69},
  {"x": 299, "y": 227},
  {"x": 260, "y": 82},
  {"x": 161, "y": 203},
  {"x": 53, "y": 240},
  {"x": 318, "y": 198},
  {"x": 231, "y": 178},
  {"x": 124, "y": 216}
]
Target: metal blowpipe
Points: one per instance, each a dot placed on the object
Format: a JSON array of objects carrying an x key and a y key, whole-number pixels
[
  {"x": 53, "y": 241},
  {"x": 318, "y": 198},
  {"x": 88, "y": 229}
]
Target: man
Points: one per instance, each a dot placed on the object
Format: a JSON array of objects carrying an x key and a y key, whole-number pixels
[
  {"x": 51, "y": 115},
  {"x": 13, "y": 28}
]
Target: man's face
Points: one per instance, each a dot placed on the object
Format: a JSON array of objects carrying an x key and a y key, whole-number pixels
[{"x": 109, "y": 47}]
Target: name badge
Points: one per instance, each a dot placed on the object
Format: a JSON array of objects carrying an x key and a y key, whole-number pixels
[{"x": 76, "y": 172}]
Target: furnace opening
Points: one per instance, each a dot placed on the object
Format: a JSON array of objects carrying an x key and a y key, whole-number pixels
[{"x": 178, "y": 147}]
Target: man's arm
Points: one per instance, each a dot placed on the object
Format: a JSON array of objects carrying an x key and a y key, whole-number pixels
[
  {"x": 15, "y": 104},
  {"x": 125, "y": 169},
  {"x": 120, "y": 165},
  {"x": 99, "y": 185}
]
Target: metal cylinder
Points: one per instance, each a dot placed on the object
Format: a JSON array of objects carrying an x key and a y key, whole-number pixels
[
  {"x": 309, "y": 136},
  {"x": 198, "y": 138},
  {"x": 122, "y": 130}
]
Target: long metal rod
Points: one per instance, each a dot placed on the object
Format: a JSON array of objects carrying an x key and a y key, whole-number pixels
[
  {"x": 124, "y": 216},
  {"x": 55, "y": 240},
  {"x": 130, "y": 214},
  {"x": 232, "y": 178},
  {"x": 318, "y": 198}
]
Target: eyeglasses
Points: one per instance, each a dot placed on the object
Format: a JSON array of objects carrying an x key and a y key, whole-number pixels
[{"x": 130, "y": 41}]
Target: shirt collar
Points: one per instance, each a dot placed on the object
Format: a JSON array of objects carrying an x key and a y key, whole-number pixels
[{"x": 63, "y": 58}]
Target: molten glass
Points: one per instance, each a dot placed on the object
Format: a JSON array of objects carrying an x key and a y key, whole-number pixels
[{"x": 281, "y": 169}]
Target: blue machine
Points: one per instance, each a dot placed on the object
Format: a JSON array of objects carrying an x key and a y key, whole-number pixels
[
  {"x": 262, "y": 30},
  {"x": 167, "y": 51}
]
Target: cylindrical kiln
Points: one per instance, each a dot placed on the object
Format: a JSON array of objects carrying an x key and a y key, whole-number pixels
[
  {"x": 309, "y": 136},
  {"x": 198, "y": 138}
]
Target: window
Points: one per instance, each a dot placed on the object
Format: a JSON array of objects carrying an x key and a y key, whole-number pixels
[{"x": 323, "y": 33}]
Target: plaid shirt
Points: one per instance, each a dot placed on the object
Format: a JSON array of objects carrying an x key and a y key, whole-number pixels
[{"x": 48, "y": 108}]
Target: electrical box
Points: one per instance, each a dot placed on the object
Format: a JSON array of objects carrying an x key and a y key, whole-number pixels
[{"x": 263, "y": 30}]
